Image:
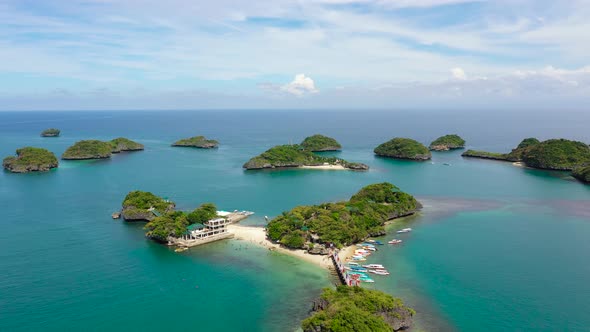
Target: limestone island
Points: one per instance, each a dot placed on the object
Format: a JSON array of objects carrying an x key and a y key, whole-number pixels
[
  {"x": 51, "y": 132},
  {"x": 197, "y": 142},
  {"x": 403, "y": 148},
  {"x": 357, "y": 309},
  {"x": 184, "y": 229},
  {"x": 552, "y": 154},
  {"x": 30, "y": 159},
  {"x": 95, "y": 149},
  {"x": 447, "y": 142},
  {"x": 315, "y": 228},
  {"x": 283, "y": 156},
  {"x": 319, "y": 143},
  {"x": 582, "y": 174}
]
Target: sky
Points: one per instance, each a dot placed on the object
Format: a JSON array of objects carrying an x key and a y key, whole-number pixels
[{"x": 291, "y": 54}]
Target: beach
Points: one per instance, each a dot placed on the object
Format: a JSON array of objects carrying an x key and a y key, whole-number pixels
[{"x": 257, "y": 236}]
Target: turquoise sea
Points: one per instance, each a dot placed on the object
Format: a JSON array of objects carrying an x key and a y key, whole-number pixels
[{"x": 497, "y": 247}]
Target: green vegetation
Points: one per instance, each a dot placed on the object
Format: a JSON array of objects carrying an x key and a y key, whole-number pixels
[
  {"x": 89, "y": 149},
  {"x": 197, "y": 142},
  {"x": 484, "y": 155},
  {"x": 447, "y": 142},
  {"x": 356, "y": 309},
  {"x": 403, "y": 148},
  {"x": 51, "y": 132},
  {"x": 125, "y": 144},
  {"x": 582, "y": 174},
  {"x": 557, "y": 154},
  {"x": 144, "y": 200},
  {"x": 203, "y": 213},
  {"x": 523, "y": 148},
  {"x": 342, "y": 223},
  {"x": 30, "y": 159},
  {"x": 295, "y": 156},
  {"x": 320, "y": 143},
  {"x": 171, "y": 224}
]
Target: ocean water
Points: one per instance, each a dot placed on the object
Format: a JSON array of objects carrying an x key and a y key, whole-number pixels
[{"x": 496, "y": 248}]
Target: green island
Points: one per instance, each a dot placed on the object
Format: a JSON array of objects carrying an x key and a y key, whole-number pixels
[
  {"x": 356, "y": 309},
  {"x": 552, "y": 154},
  {"x": 403, "y": 148},
  {"x": 318, "y": 143},
  {"x": 125, "y": 144},
  {"x": 197, "y": 142},
  {"x": 163, "y": 220},
  {"x": 342, "y": 223},
  {"x": 582, "y": 174},
  {"x": 51, "y": 132},
  {"x": 447, "y": 142},
  {"x": 30, "y": 159},
  {"x": 282, "y": 156}
]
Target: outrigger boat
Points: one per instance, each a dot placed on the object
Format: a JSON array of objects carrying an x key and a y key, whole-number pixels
[
  {"x": 405, "y": 230},
  {"x": 374, "y": 266},
  {"x": 379, "y": 272},
  {"x": 395, "y": 241}
]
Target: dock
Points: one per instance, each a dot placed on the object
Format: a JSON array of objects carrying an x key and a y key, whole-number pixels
[{"x": 344, "y": 278}]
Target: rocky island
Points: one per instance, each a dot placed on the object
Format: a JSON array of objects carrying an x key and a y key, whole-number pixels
[
  {"x": 403, "y": 148},
  {"x": 447, "y": 142},
  {"x": 582, "y": 174},
  {"x": 140, "y": 206},
  {"x": 197, "y": 142},
  {"x": 342, "y": 223},
  {"x": 318, "y": 143},
  {"x": 552, "y": 154},
  {"x": 357, "y": 309},
  {"x": 30, "y": 159},
  {"x": 51, "y": 132},
  {"x": 88, "y": 149},
  {"x": 125, "y": 144},
  {"x": 283, "y": 156}
]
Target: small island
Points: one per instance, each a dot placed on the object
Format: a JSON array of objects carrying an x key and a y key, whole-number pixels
[
  {"x": 447, "y": 142},
  {"x": 125, "y": 144},
  {"x": 51, "y": 132},
  {"x": 284, "y": 156},
  {"x": 403, "y": 148},
  {"x": 344, "y": 223},
  {"x": 143, "y": 206},
  {"x": 319, "y": 143},
  {"x": 552, "y": 154},
  {"x": 88, "y": 149},
  {"x": 582, "y": 174},
  {"x": 30, "y": 159},
  {"x": 197, "y": 142},
  {"x": 357, "y": 309}
]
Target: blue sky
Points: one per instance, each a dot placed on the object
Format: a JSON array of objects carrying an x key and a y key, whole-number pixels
[{"x": 190, "y": 54}]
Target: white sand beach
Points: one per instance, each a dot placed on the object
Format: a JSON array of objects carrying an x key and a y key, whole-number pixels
[{"x": 326, "y": 167}]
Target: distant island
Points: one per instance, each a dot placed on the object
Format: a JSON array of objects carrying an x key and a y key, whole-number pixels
[
  {"x": 552, "y": 154},
  {"x": 358, "y": 309},
  {"x": 95, "y": 149},
  {"x": 197, "y": 142},
  {"x": 447, "y": 142},
  {"x": 342, "y": 223},
  {"x": 403, "y": 148},
  {"x": 30, "y": 159},
  {"x": 318, "y": 143},
  {"x": 283, "y": 156},
  {"x": 582, "y": 174},
  {"x": 51, "y": 132}
]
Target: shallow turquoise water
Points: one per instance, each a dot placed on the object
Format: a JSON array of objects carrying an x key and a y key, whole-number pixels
[{"x": 497, "y": 247}]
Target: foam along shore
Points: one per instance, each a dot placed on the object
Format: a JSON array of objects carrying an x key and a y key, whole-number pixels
[
  {"x": 337, "y": 167},
  {"x": 257, "y": 236}
]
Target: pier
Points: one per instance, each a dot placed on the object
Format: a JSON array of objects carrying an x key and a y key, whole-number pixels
[{"x": 344, "y": 278}]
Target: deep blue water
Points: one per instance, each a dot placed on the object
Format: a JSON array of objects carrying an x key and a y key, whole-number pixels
[{"x": 497, "y": 247}]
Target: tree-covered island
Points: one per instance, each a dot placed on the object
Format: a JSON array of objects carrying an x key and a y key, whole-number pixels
[
  {"x": 51, "y": 132},
  {"x": 30, "y": 159},
  {"x": 283, "y": 156},
  {"x": 356, "y": 309},
  {"x": 200, "y": 142},
  {"x": 403, "y": 148},
  {"x": 95, "y": 149},
  {"x": 342, "y": 223},
  {"x": 125, "y": 144},
  {"x": 447, "y": 142},
  {"x": 318, "y": 143}
]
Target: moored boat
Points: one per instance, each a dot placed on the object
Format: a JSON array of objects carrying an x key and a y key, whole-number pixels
[
  {"x": 404, "y": 230},
  {"x": 395, "y": 241},
  {"x": 374, "y": 266}
]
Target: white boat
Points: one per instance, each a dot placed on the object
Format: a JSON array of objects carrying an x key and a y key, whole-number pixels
[
  {"x": 374, "y": 266},
  {"x": 405, "y": 230},
  {"x": 367, "y": 280},
  {"x": 359, "y": 258},
  {"x": 380, "y": 272},
  {"x": 353, "y": 263},
  {"x": 371, "y": 248},
  {"x": 395, "y": 241}
]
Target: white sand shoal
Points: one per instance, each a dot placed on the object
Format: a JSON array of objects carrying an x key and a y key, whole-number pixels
[
  {"x": 257, "y": 235},
  {"x": 327, "y": 167}
]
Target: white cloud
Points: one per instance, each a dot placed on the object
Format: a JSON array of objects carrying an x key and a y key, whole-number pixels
[
  {"x": 300, "y": 86},
  {"x": 458, "y": 73}
]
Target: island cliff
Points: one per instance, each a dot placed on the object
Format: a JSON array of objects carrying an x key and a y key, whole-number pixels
[
  {"x": 318, "y": 143},
  {"x": 403, "y": 148},
  {"x": 197, "y": 142},
  {"x": 51, "y": 132},
  {"x": 30, "y": 159},
  {"x": 582, "y": 174},
  {"x": 283, "y": 156},
  {"x": 447, "y": 142}
]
